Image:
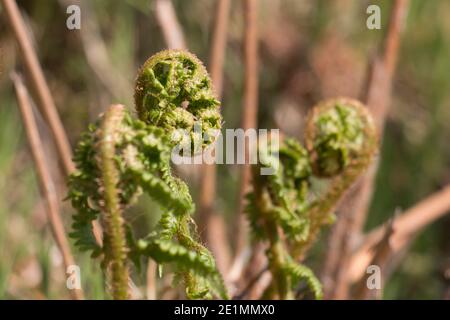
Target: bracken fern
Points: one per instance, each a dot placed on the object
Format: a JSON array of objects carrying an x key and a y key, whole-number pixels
[
  {"x": 121, "y": 157},
  {"x": 284, "y": 210}
]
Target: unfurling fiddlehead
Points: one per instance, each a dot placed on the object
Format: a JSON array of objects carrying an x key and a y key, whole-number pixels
[
  {"x": 174, "y": 91},
  {"x": 284, "y": 208},
  {"x": 121, "y": 157}
]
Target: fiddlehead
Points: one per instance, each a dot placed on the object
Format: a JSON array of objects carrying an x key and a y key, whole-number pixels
[
  {"x": 342, "y": 141},
  {"x": 140, "y": 154},
  {"x": 283, "y": 208},
  {"x": 174, "y": 92}
]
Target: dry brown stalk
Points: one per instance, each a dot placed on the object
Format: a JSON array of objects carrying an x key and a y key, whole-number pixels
[
  {"x": 151, "y": 280},
  {"x": 96, "y": 53},
  {"x": 257, "y": 260},
  {"x": 250, "y": 112},
  {"x": 256, "y": 286},
  {"x": 353, "y": 210},
  {"x": 405, "y": 228},
  {"x": 218, "y": 48},
  {"x": 382, "y": 251},
  {"x": 47, "y": 186},
  {"x": 43, "y": 97},
  {"x": 167, "y": 19},
  {"x": 212, "y": 224}
]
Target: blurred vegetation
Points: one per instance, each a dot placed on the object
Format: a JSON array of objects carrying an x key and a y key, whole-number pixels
[{"x": 308, "y": 50}]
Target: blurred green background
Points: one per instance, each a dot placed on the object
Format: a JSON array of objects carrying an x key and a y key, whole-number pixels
[{"x": 309, "y": 50}]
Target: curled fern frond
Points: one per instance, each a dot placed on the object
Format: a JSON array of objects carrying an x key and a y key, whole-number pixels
[
  {"x": 174, "y": 91},
  {"x": 122, "y": 157},
  {"x": 342, "y": 141},
  {"x": 339, "y": 133},
  {"x": 283, "y": 208}
]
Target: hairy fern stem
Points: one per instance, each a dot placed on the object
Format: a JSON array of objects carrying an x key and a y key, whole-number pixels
[{"x": 112, "y": 220}]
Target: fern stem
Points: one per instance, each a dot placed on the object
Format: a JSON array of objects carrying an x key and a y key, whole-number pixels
[
  {"x": 183, "y": 236},
  {"x": 276, "y": 249},
  {"x": 115, "y": 242},
  {"x": 277, "y": 260}
]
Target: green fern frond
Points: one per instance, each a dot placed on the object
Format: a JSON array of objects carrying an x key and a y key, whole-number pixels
[
  {"x": 254, "y": 218},
  {"x": 121, "y": 157},
  {"x": 299, "y": 272},
  {"x": 340, "y": 140},
  {"x": 174, "y": 91},
  {"x": 200, "y": 264}
]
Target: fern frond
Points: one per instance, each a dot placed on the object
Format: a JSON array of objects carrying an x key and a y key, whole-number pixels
[
  {"x": 254, "y": 218},
  {"x": 341, "y": 141},
  {"x": 201, "y": 264},
  {"x": 121, "y": 157},
  {"x": 169, "y": 79},
  {"x": 299, "y": 272}
]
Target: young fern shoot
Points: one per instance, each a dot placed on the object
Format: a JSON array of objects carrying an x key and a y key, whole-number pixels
[
  {"x": 285, "y": 210},
  {"x": 121, "y": 157}
]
